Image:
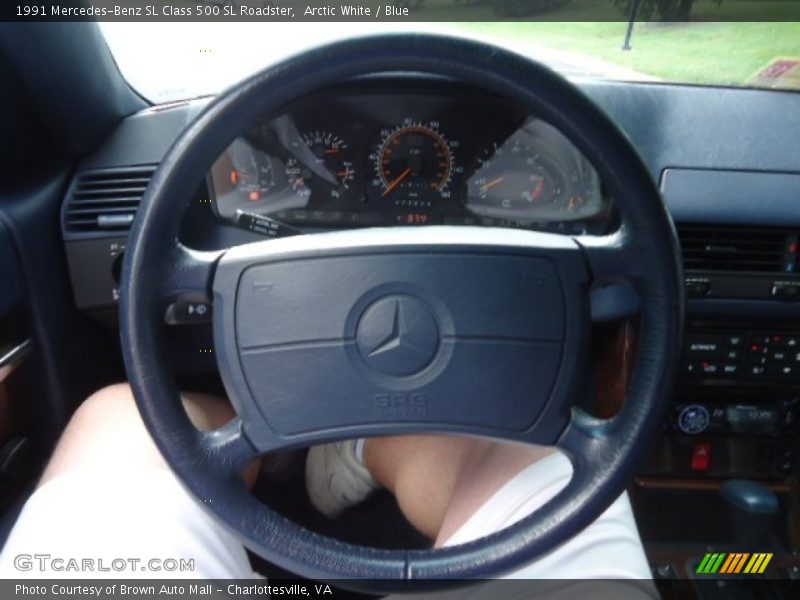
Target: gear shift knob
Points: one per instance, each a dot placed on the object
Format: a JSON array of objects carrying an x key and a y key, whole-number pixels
[{"x": 752, "y": 508}]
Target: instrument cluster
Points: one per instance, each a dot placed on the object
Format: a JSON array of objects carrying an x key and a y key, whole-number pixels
[{"x": 344, "y": 159}]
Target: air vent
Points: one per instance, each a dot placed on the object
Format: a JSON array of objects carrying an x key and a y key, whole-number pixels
[
  {"x": 106, "y": 200},
  {"x": 745, "y": 249}
]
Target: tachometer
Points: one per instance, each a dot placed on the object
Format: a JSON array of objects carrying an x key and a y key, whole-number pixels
[
  {"x": 322, "y": 159},
  {"x": 414, "y": 162},
  {"x": 296, "y": 177}
]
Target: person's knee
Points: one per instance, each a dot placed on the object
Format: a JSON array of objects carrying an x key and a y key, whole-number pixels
[
  {"x": 105, "y": 432},
  {"x": 116, "y": 403},
  {"x": 110, "y": 404}
]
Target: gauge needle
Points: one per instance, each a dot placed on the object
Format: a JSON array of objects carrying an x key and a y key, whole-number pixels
[
  {"x": 331, "y": 151},
  {"x": 537, "y": 191},
  {"x": 396, "y": 181},
  {"x": 487, "y": 186}
]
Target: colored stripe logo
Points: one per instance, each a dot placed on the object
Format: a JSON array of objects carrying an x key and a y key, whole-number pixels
[{"x": 734, "y": 563}]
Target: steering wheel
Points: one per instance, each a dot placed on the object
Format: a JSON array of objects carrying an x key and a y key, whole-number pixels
[{"x": 463, "y": 330}]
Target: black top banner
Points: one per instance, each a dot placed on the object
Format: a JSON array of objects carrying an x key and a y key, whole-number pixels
[{"x": 399, "y": 10}]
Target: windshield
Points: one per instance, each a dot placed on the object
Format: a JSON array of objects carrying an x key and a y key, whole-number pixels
[{"x": 189, "y": 59}]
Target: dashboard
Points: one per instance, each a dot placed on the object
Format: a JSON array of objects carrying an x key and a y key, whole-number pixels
[
  {"x": 344, "y": 159},
  {"x": 415, "y": 152},
  {"x": 410, "y": 150}
]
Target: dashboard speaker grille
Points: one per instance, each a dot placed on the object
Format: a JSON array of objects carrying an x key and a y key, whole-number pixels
[
  {"x": 744, "y": 249},
  {"x": 107, "y": 199}
]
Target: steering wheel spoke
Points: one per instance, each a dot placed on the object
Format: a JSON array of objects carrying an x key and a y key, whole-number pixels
[
  {"x": 583, "y": 435},
  {"x": 228, "y": 448},
  {"x": 611, "y": 258},
  {"x": 189, "y": 274}
]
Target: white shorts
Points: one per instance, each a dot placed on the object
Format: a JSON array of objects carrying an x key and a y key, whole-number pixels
[{"x": 142, "y": 523}]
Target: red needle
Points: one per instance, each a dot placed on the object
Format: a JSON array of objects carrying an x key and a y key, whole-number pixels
[
  {"x": 397, "y": 180},
  {"x": 537, "y": 191}
]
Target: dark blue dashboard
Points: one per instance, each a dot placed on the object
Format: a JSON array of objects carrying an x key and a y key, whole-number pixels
[{"x": 722, "y": 156}]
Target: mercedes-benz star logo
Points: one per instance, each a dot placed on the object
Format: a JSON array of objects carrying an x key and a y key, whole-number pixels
[{"x": 397, "y": 335}]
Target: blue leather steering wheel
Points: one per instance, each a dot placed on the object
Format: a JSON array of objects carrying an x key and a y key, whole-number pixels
[{"x": 497, "y": 322}]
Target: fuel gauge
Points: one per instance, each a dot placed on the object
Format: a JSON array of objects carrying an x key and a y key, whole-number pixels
[{"x": 242, "y": 178}]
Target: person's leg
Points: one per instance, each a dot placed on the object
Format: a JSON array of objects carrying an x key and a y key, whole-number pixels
[
  {"x": 108, "y": 494},
  {"x": 116, "y": 494},
  {"x": 440, "y": 481},
  {"x": 107, "y": 433},
  {"x": 458, "y": 489}
]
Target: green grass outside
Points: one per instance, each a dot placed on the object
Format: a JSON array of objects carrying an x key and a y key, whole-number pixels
[{"x": 701, "y": 51}]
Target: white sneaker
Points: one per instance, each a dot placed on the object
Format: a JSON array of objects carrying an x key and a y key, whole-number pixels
[{"x": 336, "y": 479}]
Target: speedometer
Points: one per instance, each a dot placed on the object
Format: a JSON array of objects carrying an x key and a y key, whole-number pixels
[{"x": 414, "y": 162}]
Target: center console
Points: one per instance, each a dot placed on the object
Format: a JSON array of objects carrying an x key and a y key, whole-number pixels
[
  {"x": 733, "y": 422},
  {"x": 734, "y": 419},
  {"x": 728, "y": 446},
  {"x": 736, "y": 406}
]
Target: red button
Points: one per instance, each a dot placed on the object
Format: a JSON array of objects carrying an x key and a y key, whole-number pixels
[{"x": 701, "y": 456}]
